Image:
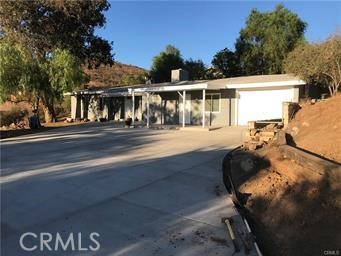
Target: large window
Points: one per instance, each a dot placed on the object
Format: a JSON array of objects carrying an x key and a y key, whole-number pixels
[{"x": 212, "y": 103}]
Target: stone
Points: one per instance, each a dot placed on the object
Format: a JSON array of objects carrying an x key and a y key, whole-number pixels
[
  {"x": 253, "y": 132},
  {"x": 69, "y": 120},
  {"x": 267, "y": 133},
  {"x": 265, "y": 138},
  {"x": 294, "y": 131},
  {"x": 247, "y": 164},
  {"x": 305, "y": 124},
  {"x": 270, "y": 126}
]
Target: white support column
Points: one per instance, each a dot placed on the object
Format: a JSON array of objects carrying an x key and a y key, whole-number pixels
[
  {"x": 74, "y": 100},
  {"x": 133, "y": 107},
  {"x": 148, "y": 110},
  {"x": 203, "y": 107},
  {"x": 183, "y": 108}
]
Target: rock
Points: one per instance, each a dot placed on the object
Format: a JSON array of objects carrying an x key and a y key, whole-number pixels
[
  {"x": 265, "y": 138},
  {"x": 270, "y": 126},
  {"x": 69, "y": 120},
  {"x": 253, "y": 132},
  {"x": 267, "y": 133},
  {"x": 294, "y": 131},
  {"x": 305, "y": 124},
  {"x": 279, "y": 139},
  {"x": 247, "y": 164}
]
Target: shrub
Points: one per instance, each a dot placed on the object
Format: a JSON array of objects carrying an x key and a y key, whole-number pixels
[
  {"x": 13, "y": 115},
  {"x": 64, "y": 108}
]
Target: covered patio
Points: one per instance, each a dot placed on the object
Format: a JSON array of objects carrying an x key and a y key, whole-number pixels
[
  {"x": 139, "y": 100},
  {"x": 180, "y": 89}
]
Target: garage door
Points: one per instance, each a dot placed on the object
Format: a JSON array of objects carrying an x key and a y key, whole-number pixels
[{"x": 262, "y": 105}]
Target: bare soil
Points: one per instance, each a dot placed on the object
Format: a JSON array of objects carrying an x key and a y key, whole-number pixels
[
  {"x": 293, "y": 210},
  {"x": 317, "y": 128}
]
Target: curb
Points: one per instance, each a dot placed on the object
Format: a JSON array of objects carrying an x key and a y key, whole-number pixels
[
  {"x": 231, "y": 190},
  {"x": 251, "y": 234}
]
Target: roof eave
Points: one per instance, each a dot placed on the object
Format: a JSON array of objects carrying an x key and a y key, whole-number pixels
[
  {"x": 171, "y": 88},
  {"x": 265, "y": 84}
]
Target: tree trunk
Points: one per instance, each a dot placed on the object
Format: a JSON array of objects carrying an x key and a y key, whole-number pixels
[
  {"x": 330, "y": 91},
  {"x": 49, "y": 114}
]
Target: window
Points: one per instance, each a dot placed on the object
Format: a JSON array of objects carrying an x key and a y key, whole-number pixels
[{"x": 212, "y": 103}]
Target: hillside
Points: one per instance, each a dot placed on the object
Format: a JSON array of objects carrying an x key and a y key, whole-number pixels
[
  {"x": 317, "y": 128},
  {"x": 106, "y": 76},
  {"x": 293, "y": 205}
]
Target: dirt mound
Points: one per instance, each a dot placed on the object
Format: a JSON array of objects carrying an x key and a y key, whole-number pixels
[
  {"x": 293, "y": 210},
  {"x": 317, "y": 128}
]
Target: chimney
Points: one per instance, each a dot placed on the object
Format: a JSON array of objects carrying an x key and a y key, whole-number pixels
[{"x": 179, "y": 75}]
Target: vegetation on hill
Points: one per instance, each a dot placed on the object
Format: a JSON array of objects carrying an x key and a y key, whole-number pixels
[
  {"x": 114, "y": 75},
  {"x": 318, "y": 64}
]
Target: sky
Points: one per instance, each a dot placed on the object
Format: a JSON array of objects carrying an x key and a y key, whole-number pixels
[{"x": 140, "y": 30}]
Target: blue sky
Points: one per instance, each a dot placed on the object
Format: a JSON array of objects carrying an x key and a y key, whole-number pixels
[{"x": 140, "y": 30}]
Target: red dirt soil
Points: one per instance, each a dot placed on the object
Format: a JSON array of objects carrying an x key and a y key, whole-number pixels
[
  {"x": 293, "y": 210},
  {"x": 317, "y": 128}
]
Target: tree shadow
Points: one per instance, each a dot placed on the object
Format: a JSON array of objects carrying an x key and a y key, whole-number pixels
[{"x": 111, "y": 182}]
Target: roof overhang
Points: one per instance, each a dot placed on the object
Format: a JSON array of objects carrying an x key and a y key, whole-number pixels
[
  {"x": 119, "y": 94},
  {"x": 171, "y": 88},
  {"x": 115, "y": 94},
  {"x": 265, "y": 84},
  {"x": 94, "y": 92}
]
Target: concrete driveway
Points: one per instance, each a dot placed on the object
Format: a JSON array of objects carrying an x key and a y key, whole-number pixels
[{"x": 144, "y": 192}]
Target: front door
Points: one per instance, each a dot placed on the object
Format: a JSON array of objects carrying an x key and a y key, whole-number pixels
[{"x": 187, "y": 109}]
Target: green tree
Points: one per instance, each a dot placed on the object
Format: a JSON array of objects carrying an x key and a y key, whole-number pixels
[
  {"x": 196, "y": 69},
  {"x": 11, "y": 68},
  {"x": 318, "y": 64},
  {"x": 225, "y": 62},
  {"x": 66, "y": 24},
  {"x": 164, "y": 63},
  {"x": 37, "y": 79},
  {"x": 212, "y": 73},
  {"x": 20, "y": 75},
  {"x": 267, "y": 39},
  {"x": 64, "y": 74},
  {"x": 43, "y": 27},
  {"x": 134, "y": 79}
]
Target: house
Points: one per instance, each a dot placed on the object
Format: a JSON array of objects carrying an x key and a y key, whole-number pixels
[{"x": 223, "y": 102}]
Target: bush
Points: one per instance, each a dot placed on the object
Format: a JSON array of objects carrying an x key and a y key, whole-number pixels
[
  {"x": 64, "y": 108},
  {"x": 13, "y": 115}
]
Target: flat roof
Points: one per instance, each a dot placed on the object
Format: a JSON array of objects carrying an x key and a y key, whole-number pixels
[
  {"x": 257, "y": 81},
  {"x": 262, "y": 81}
]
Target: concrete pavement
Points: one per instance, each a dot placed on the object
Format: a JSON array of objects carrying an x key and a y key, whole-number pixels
[{"x": 144, "y": 192}]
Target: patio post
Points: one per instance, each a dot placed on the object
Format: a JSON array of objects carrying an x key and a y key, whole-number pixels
[
  {"x": 147, "y": 109},
  {"x": 133, "y": 107},
  {"x": 183, "y": 108},
  {"x": 203, "y": 108}
]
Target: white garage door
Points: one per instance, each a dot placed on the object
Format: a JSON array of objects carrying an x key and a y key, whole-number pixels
[{"x": 262, "y": 105}]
